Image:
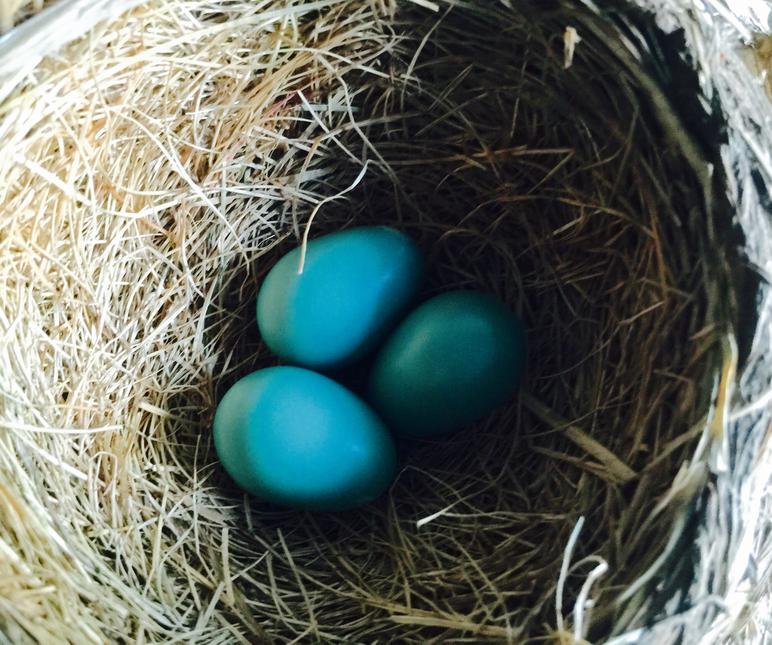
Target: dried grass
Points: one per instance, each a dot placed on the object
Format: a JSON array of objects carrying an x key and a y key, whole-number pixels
[
  {"x": 154, "y": 170},
  {"x": 13, "y": 12}
]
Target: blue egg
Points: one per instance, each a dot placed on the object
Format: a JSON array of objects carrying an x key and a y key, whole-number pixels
[
  {"x": 354, "y": 285},
  {"x": 299, "y": 439},
  {"x": 451, "y": 361}
]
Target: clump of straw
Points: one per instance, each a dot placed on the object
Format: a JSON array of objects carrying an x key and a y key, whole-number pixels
[{"x": 154, "y": 170}]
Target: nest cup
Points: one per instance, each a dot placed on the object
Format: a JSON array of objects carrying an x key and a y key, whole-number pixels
[{"x": 556, "y": 155}]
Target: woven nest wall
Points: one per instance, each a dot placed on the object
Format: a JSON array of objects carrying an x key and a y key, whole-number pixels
[{"x": 562, "y": 157}]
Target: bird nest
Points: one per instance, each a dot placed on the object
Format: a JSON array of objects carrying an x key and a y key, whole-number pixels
[{"x": 154, "y": 170}]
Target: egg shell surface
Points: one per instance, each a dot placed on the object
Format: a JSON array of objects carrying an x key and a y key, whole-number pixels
[
  {"x": 297, "y": 438},
  {"x": 353, "y": 286},
  {"x": 451, "y": 361}
]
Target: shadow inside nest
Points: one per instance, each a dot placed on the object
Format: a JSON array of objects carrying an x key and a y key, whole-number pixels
[{"x": 558, "y": 210}]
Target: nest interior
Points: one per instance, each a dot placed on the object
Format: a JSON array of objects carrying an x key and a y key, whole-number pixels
[{"x": 152, "y": 173}]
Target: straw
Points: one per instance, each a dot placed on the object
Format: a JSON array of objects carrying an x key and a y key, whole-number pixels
[{"x": 152, "y": 173}]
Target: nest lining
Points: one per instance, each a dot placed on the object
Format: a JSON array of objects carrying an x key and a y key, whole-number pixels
[{"x": 158, "y": 167}]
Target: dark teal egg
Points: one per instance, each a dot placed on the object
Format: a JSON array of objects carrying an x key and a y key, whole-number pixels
[
  {"x": 354, "y": 285},
  {"x": 299, "y": 439},
  {"x": 450, "y": 362}
]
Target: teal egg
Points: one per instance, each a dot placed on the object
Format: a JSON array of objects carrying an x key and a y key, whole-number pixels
[
  {"x": 299, "y": 439},
  {"x": 354, "y": 285},
  {"x": 451, "y": 361}
]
